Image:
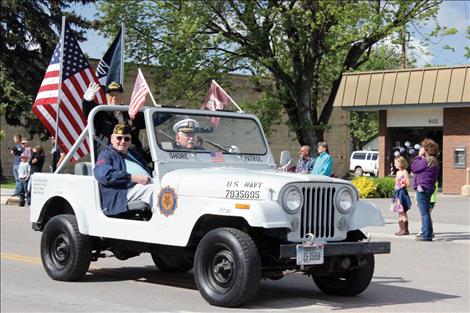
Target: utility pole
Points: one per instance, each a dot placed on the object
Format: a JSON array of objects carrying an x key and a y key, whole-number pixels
[{"x": 404, "y": 39}]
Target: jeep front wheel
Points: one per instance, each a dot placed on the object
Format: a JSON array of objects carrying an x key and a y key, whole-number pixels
[
  {"x": 171, "y": 263},
  {"x": 348, "y": 283},
  {"x": 65, "y": 252},
  {"x": 227, "y": 267}
]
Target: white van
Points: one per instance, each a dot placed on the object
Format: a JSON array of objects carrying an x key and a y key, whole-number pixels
[{"x": 364, "y": 162}]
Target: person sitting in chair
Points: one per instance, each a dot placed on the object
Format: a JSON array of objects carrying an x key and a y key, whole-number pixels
[{"x": 122, "y": 175}]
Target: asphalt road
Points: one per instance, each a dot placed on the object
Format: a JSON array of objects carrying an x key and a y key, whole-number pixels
[{"x": 415, "y": 277}]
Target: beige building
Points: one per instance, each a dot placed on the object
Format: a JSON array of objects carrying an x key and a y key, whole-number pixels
[
  {"x": 242, "y": 90},
  {"x": 414, "y": 104}
]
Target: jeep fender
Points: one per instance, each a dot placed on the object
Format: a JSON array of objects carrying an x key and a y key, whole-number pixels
[
  {"x": 61, "y": 205},
  {"x": 365, "y": 214}
]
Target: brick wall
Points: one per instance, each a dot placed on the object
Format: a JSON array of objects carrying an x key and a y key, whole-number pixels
[
  {"x": 456, "y": 134},
  {"x": 383, "y": 166}
]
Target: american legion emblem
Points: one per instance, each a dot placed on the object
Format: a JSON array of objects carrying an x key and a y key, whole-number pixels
[{"x": 167, "y": 201}]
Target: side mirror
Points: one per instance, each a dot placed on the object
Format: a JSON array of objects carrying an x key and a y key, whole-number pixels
[{"x": 285, "y": 159}]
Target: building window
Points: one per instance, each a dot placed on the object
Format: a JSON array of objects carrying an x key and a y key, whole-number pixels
[{"x": 460, "y": 155}]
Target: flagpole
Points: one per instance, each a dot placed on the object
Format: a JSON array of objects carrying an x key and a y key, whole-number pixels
[
  {"x": 62, "y": 42},
  {"x": 230, "y": 98},
  {"x": 122, "y": 54},
  {"x": 150, "y": 93}
]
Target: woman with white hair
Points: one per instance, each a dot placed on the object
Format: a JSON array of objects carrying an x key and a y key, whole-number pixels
[{"x": 324, "y": 162}]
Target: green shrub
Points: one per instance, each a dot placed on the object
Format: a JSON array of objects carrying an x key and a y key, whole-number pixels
[
  {"x": 367, "y": 187},
  {"x": 385, "y": 187}
]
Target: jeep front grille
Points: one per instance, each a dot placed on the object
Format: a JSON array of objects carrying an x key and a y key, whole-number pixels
[{"x": 318, "y": 212}]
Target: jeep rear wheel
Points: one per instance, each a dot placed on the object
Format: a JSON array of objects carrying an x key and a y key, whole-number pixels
[
  {"x": 348, "y": 283},
  {"x": 358, "y": 171},
  {"x": 65, "y": 252},
  {"x": 227, "y": 267},
  {"x": 171, "y": 263}
]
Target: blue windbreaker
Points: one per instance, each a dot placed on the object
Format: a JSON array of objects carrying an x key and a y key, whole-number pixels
[{"x": 113, "y": 178}]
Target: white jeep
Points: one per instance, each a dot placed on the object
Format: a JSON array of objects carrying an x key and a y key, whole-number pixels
[{"x": 224, "y": 210}]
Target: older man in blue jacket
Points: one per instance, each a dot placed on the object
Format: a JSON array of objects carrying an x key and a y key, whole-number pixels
[{"x": 122, "y": 174}]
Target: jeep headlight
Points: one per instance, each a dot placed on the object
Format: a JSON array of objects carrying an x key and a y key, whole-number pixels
[
  {"x": 344, "y": 200},
  {"x": 292, "y": 200}
]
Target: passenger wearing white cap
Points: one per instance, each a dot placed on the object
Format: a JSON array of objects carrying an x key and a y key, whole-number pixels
[{"x": 186, "y": 134}]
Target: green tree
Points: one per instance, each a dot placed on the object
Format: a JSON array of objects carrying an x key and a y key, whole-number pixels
[
  {"x": 28, "y": 35},
  {"x": 303, "y": 45}
]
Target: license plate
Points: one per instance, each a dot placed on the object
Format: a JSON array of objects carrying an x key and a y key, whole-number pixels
[{"x": 310, "y": 254}]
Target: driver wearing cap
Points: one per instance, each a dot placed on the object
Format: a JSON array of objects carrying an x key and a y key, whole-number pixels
[{"x": 186, "y": 134}]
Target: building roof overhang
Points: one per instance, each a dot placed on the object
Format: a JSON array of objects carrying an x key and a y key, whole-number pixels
[{"x": 439, "y": 87}]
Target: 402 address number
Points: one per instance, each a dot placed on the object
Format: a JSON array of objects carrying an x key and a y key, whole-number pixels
[{"x": 242, "y": 194}]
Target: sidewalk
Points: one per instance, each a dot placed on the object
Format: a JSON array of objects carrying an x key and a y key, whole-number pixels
[
  {"x": 6, "y": 197},
  {"x": 442, "y": 231},
  {"x": 451, "y": 217}
]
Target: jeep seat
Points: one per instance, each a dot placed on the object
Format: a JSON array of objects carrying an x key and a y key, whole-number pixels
[
  {"x": 138, "y": 209},
  {"x": 83, "y": 168}
]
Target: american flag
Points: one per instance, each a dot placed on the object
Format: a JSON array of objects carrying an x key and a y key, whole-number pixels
[
  {"x": 141, "y": 90},
  {"x": 76, "y": 76},
  {"x": 217, "y": 156}
]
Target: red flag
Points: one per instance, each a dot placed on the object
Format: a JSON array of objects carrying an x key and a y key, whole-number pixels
[
  {"x": 141, "y": 90},
  {"x": 217, "y": 99},
  {"x": 76, "y": 76}
]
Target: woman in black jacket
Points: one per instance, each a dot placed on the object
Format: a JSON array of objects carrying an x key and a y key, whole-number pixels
[
  {"x": 37, "y": 159},
  {"x": 36, "y": 163}
]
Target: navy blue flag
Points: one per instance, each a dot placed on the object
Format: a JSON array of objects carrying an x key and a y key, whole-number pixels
[{"x": 109, "y": 68}]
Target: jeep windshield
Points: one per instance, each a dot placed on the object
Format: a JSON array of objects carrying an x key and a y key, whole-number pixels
[{"x": 206, "y": 133}]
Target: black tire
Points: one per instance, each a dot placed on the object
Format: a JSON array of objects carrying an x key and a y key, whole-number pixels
[
  {"x": 65, "y": 252},
  {"x": 348, "y": 283},
  {"x": 358, "y": 171},
  {"x": 172, "y": 263},
  {"x": 227, "y": 267}
]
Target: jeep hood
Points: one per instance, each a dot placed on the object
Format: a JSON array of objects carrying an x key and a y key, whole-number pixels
[{"x": 236, "y": 183}]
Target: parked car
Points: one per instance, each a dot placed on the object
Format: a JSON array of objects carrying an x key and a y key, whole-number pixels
[
  {"x": 224, "y": 210},
  {"x": 364, "y": 162}
]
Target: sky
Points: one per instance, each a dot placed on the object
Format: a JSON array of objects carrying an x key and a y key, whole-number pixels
[{"x": 451, "y": 14}]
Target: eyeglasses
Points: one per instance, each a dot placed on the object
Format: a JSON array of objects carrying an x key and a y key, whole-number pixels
[{"x": 126, "y": 139}]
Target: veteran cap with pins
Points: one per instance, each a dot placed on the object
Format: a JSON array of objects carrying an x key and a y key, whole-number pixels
[
  {"x": 122, "y": 129},
  {"x": 114, "y": 86}
]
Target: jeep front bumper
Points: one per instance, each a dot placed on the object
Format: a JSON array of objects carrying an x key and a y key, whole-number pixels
[{"x": 288, "y": 251}]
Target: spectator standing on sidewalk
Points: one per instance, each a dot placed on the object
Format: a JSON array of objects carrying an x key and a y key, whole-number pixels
[
  {"x": 401, "y": 201},
  {"x": 36, "y": 163},
  {"x": 432, "y": 204},
  {"x": 23, "y": 176},
  {"x": 305, "y": 163},
  {"x": 27, "y": 148},
  {"x": 16, "y": 151},
  {"x": 324, "y": 162},
  {"x": 426, "y": 171}
]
